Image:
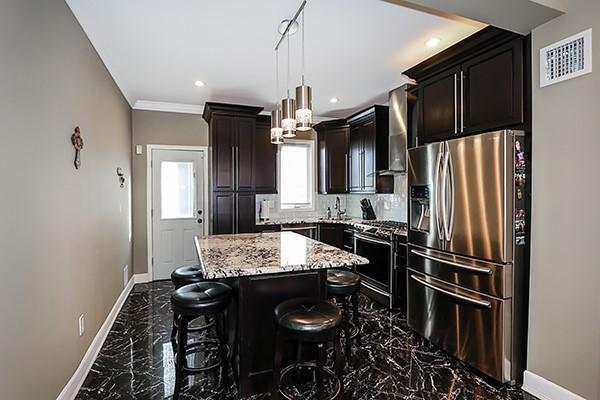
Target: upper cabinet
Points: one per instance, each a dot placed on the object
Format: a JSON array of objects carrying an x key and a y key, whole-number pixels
[
  {"x": 265, "y": 157},
  {"x": 333, "y": 156},
  {"x": 368, "y": 150},
  {"x": 474, "y": 86},
  {"x": 232, "y": 137}
]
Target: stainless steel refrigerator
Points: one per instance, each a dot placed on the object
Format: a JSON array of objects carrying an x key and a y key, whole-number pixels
[{"x": 467, "y": 276}]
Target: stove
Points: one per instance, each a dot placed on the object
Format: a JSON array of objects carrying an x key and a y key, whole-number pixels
[{"x": 383, "y": 243}]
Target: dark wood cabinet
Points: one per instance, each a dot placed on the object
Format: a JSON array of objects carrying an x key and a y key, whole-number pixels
[
  {"x": 265, "y": 157},
  {"x": 369, "y": 135},
  {"x": 493, "y": 89},
  {"x": 439, "y": 105},
  {"x": 333, "y": 156},
  {"x": 232, "y": 138},
  {"x": 475, "y": 86},
  {"x": 332, "y": 234}
]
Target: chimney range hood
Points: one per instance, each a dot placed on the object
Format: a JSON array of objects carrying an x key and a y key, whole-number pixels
[{"x": 399, "y": 103}]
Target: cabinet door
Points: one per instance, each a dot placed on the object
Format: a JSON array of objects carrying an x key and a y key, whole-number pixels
[
  {"x": 246, "y": 212},
  {"x": 265, "y": 160},
  {"x": 223, "y": 213},
  {"x": 245, "y": 153},
  {"x": 369, "y": 157},
  {"x": 336, "y": 144},
  {"x": 493, "y": 89},
  {"x": 438, "y": 103},
  {"x": 223, "y": 138},
  {"x": 332, "y": 234},
  {"x": 355, "y": 184}
]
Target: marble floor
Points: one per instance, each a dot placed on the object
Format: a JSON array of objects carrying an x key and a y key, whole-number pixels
[{"x": 136, "y": 361}]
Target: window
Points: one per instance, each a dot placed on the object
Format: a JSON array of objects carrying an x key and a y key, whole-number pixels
[
  {"x": 296, "y": 174},
  {"x": 177, "y": 189}
]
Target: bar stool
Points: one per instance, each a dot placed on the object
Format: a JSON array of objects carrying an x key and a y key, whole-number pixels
[
  {"x": 184, "y": 276},
  {"x": 193, "y": 301},
  {"x": 344, "y": 285},
  {"x": 309, "y": 321}
]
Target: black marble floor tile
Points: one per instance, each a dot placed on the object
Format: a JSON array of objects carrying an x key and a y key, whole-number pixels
[{"x": 136, "y": 361}]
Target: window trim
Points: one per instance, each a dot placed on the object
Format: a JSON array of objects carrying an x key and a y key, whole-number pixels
[{"x": 299, "y": 209}]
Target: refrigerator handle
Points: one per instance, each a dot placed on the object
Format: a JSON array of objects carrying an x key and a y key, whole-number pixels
[
  {"x": 449, "y": 184},
  {"x": 481, "y": 303},
  {"x": 436, "y": 195},
  {"x": 445, "y": 205}
]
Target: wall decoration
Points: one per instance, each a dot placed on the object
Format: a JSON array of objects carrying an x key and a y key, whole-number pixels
[
  {"x": 121, "y": 176},
  {"x": 77, "y": 142}
]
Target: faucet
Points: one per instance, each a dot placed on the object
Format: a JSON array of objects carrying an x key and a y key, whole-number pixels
[{"x": 339, "y": 213}]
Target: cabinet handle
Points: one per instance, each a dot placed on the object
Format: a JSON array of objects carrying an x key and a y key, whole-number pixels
[
  {"x": 233, "y": 169},
  {"x": 346, "y": 166},
  {"x": 462, "y": 103},
  {"x": 455, "y": 105}
]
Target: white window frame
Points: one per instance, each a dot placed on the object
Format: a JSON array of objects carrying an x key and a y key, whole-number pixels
[{"x": 312, "y": 180}]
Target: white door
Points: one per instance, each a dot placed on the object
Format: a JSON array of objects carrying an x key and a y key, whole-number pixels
[{"x": 177, "y": 209}]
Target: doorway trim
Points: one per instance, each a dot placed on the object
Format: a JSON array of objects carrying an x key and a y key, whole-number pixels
[{"x": 149, "y": 232}]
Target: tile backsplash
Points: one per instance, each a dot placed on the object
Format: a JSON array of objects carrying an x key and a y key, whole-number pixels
[{"x": 386, "y": 206}]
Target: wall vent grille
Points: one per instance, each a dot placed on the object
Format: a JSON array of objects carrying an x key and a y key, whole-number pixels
[{"x": 569, "y": 58}]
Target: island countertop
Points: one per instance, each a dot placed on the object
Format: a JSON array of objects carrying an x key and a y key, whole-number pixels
[{"x": 227, "y": 256}]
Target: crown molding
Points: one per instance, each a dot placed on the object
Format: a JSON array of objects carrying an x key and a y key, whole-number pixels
[{"x": 148, "y": 105}]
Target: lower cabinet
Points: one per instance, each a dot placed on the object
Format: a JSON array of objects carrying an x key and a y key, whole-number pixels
[
  {"x": 234, "y": 212},
  {"x": 332, "y": 234}
]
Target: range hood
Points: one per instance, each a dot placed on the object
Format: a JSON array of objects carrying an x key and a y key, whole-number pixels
[{"x": 399, "y": 103}]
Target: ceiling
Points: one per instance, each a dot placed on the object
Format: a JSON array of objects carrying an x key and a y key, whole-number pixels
[{"x": 356, "y": 50}]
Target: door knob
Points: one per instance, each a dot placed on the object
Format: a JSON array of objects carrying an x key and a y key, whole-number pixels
[
  {"x": 199, "y": 220},
  {"x": 199, "y": 212}
]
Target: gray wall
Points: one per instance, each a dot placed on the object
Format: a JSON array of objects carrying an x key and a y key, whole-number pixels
[
  {"x": 65, "y": 233},
  {"x": 565, "y": 285},
  {"x": 155, "y": 127}
]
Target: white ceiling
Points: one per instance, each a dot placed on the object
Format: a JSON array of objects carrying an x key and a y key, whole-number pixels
[{"x": 356, "y": 50}]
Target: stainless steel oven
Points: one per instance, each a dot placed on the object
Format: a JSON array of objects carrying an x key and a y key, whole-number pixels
[{"x": 377, "y": 276}]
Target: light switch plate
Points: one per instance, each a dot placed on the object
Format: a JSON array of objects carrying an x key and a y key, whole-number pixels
[
  {"x": 138, "y": 149},
  {"x": 81, "y": 324}
]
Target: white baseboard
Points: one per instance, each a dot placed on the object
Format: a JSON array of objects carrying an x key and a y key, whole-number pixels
[
  {"x": 72, "y": 387},
  {"x": 546, "y": 390},
  {"x": 142, "y": 278}
]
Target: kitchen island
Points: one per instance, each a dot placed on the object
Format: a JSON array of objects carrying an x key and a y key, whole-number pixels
[{"x": 265, "y": 269}]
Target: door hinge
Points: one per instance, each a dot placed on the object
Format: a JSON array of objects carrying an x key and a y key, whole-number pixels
[
  {"x": 152, "y": 260},
  {"x": 152, "y": 212}
]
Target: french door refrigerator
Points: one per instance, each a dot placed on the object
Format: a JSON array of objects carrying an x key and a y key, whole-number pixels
[{"x": 467, "y": 275}]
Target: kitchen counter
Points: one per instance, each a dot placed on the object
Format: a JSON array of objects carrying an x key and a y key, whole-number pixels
[
  {"x": 265, "y": 269},
  {"x": 321, "y": 220},
  {"x": 228, "y": 256}
]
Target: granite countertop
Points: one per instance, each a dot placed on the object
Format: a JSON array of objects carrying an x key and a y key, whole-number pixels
[
  {"x": 227, "y": 256},
  {"x": 322, "y": 220}
]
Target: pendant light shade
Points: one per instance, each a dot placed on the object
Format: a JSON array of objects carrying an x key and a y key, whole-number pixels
[
  {"x": 304, "y": 109},
  {"x": 288, "y": 121},
  {"x": 276, "y": 129}
]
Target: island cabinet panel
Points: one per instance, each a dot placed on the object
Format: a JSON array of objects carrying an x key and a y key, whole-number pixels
[
  {"x": 369, "y": 144},
  {"x": 265, "y": 158},
  {"x": 333, "y": 156},
  {"x": 332, "y": 234},
  {"x": 254, "y": 303}
]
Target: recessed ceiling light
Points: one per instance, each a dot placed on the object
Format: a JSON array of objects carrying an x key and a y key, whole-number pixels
[
  {"x": 333, "y": 100},
  {"x": 432, "y": 42},
  {"x": 199, "y": 83}
]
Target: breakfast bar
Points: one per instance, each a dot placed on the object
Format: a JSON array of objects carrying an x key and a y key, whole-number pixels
[{"x": 265, "y": 269}]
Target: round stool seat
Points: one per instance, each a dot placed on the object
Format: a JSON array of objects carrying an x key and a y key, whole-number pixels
[
  {"x": 309, "y": 320},
  {"x": 342, "y": 283},
  {"x": 185, "y": 275},
  {"x": 202, "y": 298}
]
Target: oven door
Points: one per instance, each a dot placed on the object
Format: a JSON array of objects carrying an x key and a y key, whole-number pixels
[{"x": 377, "y": 275}]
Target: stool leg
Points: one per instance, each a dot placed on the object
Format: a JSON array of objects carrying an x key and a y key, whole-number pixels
[
  {"x": 339, "y": 364},
  {"x": 222, "y": 338},
  {"x": 356, "y": 318},
  {"x": 180, "y": 358},
  {"x": 277, "y": 366},
  {"x": 320, "y": 373},
  {"x": 347, "y": 327},
  {"x": 174, "y": 328}
]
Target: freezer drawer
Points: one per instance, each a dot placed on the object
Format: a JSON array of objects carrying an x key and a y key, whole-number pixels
[
  {"x": 481, "y": 276},
  {"x": 473, "y": 327}
]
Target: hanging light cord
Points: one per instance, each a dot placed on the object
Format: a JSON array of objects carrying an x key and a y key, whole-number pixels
[
  {"x": 288, "y": 66},
  {"x": 302, "y": 47},
  {"x": 277, "y": 77}
]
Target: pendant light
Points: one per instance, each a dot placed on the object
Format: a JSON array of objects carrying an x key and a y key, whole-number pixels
[
  {"x": 276, "y": 129},
  {"x": 288, "y": 105},
  {"x": 303, "y": 97}
]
